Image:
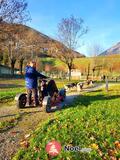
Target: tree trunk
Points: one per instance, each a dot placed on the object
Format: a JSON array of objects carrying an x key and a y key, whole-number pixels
[
  {"x": 69, "y": 73},
  {"x": 21, "y": 66},
  {"x": 93, "y": 70},
  {"x": 1, "y": 58},
  {"x": 88, "y": 72},
  {"x": 13, "y": 66}
]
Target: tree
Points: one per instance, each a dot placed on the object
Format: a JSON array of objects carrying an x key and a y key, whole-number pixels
[
  {"x": 70, "y": 30},
  {"x": 88, "y": 71},
  {"x": 13, "y": 11},
  {"x": 22, "y": 56},
  {"x": 10, "y": 39},
  {"x": 1, "y": 56},
  {"x": 96, "y": 63}
]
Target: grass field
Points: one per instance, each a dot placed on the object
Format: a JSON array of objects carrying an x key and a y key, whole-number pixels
[
  {"x": 93, "y": 121},
  {"x": 9, "y": 88}
]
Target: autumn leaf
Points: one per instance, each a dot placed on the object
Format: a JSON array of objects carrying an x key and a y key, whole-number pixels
[
  {"x": 94, "y": 146},
  {"x": 24, "y": 144},
  {"x": 117, "y": 144},
  {"x": 27, "y": 135}
]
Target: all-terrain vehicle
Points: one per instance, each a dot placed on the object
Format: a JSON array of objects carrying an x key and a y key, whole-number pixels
[{"x": 48, "y": 95}]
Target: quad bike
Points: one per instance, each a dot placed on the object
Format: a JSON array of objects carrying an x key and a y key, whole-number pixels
[{"x": 48, "y": 96}]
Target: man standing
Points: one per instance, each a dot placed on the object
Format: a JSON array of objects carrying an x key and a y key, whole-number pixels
[
  {"x": 31, "y": 77},
  {"x": 106, "y": 83}
]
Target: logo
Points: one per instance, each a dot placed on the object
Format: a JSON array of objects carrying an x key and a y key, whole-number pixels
[
  {"x": 77, "y": 149},
  {"x": 53, "y": 148}
]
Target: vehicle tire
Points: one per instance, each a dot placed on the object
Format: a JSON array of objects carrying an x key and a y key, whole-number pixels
[
  {"x": 47, "y": 104},
  {"x": 21, "y": 101}
]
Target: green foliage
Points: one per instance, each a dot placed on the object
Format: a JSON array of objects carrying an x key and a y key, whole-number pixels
[{"x": 92, "y": 121}]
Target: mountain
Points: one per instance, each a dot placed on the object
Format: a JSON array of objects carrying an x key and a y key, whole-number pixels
[
  {"x": 30, "y": 36},
  {"x": 113, "y": 50}
]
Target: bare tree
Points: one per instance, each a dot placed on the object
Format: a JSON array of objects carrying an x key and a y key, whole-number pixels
[
  {"x": 96, "y": 63},
  {"x": 21, "y": 61},
  {"x": 10, "y": 42},
  {"x": 70, "y": 30},
  {"x": 13, "y": 11}
]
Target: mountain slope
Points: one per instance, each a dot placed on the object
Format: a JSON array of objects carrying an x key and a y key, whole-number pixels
[
  {"x": 113, "y": 50},
  {"x": 31, "y": 36}
]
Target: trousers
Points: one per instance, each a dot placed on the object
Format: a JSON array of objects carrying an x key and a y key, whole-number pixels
[{"x": 32, "y": 93}]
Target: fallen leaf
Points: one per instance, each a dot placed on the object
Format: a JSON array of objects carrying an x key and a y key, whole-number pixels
[
  {"x": 94, "y": 146},
  {"x": 117, "y": 144},
  {"x": 24, "y": 144},
  {"x": 111, "y": 152},
  {"x": 27, "y": 135}
]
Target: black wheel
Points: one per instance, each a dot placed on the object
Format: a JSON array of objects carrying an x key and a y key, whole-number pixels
[
  {"x": 21, "y": 102},
  {"x": 47, "y": 104}
]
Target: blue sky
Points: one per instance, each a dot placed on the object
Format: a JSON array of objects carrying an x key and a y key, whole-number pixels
[{"x": 101, "y": 16}]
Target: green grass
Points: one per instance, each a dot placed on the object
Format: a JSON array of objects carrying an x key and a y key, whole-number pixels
[
  {"x": 9, "y": 88},
  {"x": 93, "y": 121},
  {"x": 9, "y": 94}
]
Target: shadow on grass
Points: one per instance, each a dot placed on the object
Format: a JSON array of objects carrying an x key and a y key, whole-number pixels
[
  {"x": 99, "y": 90},
  {"x": 16, "y": 120},
  {"x": 21, "y": 114}
]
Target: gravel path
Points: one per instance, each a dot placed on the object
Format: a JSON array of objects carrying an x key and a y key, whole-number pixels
[{"x": 30, "y": 118}]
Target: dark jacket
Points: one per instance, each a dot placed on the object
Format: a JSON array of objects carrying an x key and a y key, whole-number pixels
[{"x": 31, "y": 77}]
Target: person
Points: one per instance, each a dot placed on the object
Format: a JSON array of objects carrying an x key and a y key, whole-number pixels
[
  {"x": 31, "y": 76},
  {"x": 43, "y": 86},
  {"x": 52, "y": 88},
  {"x": 104, "y": 77},
  {"x": 106, "y": 83}
]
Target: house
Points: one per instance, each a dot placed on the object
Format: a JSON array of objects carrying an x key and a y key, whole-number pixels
[
  {"x": 76, "y": 74},
  {"x": 5, "y": 70}
]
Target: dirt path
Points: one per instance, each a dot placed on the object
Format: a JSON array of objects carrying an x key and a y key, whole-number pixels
[
  {"x": 29, "y": 119},
  {"x": 9, "y": 140}
]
